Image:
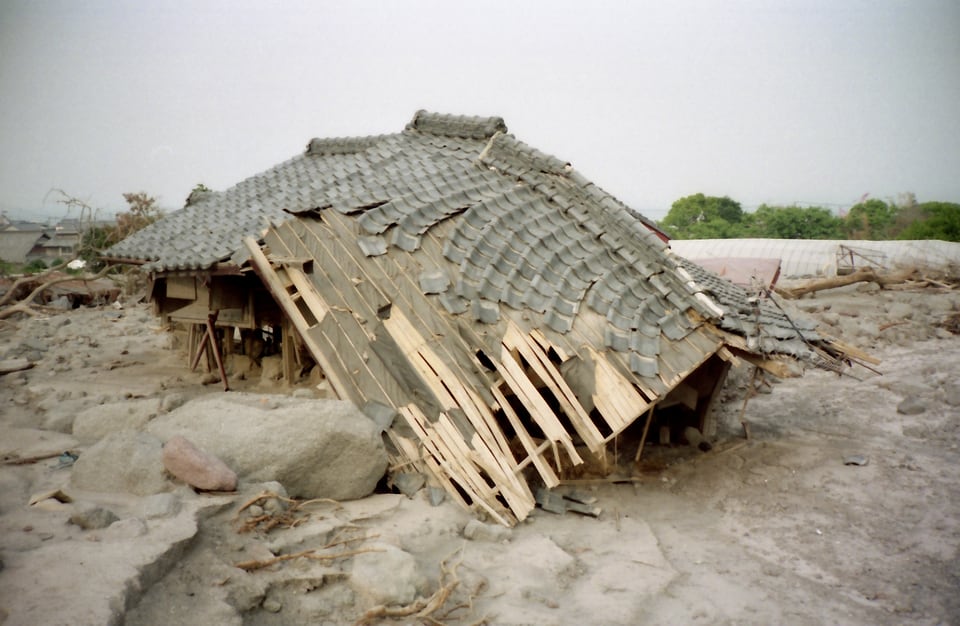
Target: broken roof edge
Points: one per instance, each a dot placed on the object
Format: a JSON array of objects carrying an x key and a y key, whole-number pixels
[{"x": 464, "y": 126}]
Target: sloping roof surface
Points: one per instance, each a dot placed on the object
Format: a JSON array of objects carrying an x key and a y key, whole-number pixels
[{"x": 523, "y": 229}]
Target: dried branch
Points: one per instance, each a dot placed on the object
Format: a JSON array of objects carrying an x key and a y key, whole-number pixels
[
  {"x": 250, "y": 566},
  {"x": 291, "y": 517},
  {"x": 25, "y": 304},
  {"x": 422, "y": 608}
]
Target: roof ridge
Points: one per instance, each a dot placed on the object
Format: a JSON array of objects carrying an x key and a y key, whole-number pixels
[
  {"x": 507, "y": 153},
  {"x": 466, "y": 126},
  {"x": 341, "y": 145}
]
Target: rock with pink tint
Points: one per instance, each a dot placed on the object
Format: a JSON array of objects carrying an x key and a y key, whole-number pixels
[{"x": 197, "y": 468}]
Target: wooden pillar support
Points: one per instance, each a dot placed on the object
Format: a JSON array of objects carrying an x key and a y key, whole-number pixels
[{"x": 210, "y": 340}]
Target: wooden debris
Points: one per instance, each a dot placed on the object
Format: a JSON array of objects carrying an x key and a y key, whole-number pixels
[
  {"x": 860, "y": 276},
  {"x": 289, "y": 517}
]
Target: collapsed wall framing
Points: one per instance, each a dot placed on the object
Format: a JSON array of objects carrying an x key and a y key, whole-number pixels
[{"x": 480, "y": 408}]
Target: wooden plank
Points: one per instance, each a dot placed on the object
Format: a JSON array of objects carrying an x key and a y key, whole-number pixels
[
  {"x": 181, "y": 287},
  {"x": 289, "y": 349},
  {"x": 616, "y": 399},
  {"x": 537, "y": 335},
  {"x": 452, "y": 464},
  {"x": 540, "y": 411},
  {"x": 308, "y": 291},
  {"x": 262, "y": 266},
  {"x": 533, "y": 451},
  {"x": 514, "y": 338},
  {"x": 399, "y": 273}
]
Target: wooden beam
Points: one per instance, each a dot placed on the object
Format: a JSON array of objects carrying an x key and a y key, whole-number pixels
[
  {"x": 269, "y": 277},
  {"x": 533, "y": 353}
]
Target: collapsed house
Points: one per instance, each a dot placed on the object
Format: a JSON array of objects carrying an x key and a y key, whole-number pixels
[{"x": 500, "y": 316}]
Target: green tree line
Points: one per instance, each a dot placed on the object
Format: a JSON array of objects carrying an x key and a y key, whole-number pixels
[{"x": 711, "y": 217}]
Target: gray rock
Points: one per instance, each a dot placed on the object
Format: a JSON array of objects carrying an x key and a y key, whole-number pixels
[
  {"x": 34, "y": 344},
  {"x": 125, "y": 461},
  {"x": 196, "y": 467},
  {"x": 240, "y": 365},
  {"x": 62, "y": 303},
  {"x": 160, "y": 505},
  {"x": 94, "y": 423},
  {"x": 901, "y": 311},
  {"x": 911, "y": 405},
  {"x": 315, "y": 448},
  {"x": 478, "y": 531},
  {"x": 271, "y": 368},
  {"x": 93, "y": 518},
  {"x": 171, "y": 401},
  {"x": 129, "y": 528},
  {"x": 272, "y": 605},
  {"x": 409, "y": 483},
  {"x": 388, "y": 577},
  {"x": 951, "y": 394}
]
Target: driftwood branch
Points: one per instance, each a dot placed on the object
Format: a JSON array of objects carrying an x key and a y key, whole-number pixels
[
  {"x": 24, "y": 305},
  {"x": 861, "y": 276}
]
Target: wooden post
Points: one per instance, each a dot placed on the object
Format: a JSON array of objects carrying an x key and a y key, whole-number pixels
[
  {"x": 209, "y": 340},
  {"x": 646, "y": 429}
]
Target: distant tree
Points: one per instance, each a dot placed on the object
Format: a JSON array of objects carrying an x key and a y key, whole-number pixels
[
  {"x": 934, "y": 220},
  {"x": 872, "y": 219},
  {"x": 791, "y": 222},
  {"x": 703, "y": 217},
  {"x": 96, "y": 237},
  {"x": 143, "y": 211}
]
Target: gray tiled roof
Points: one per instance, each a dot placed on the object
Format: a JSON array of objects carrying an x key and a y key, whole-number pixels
[{"x": 526, "y": 231}]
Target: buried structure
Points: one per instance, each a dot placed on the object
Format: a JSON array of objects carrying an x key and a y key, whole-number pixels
[{"x": 501, "y": 317}]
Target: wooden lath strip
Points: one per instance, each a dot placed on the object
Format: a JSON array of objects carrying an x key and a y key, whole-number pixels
[
  {"x": 516, "y": 379},
  {"x": 454, "y": 465},
  {"x": 536, "y": 357},
  {"x": 385, "y": 270},
  {"x": 615, "y": 398},
  {"x": 308, "y": 292},
  {"x": 489, "y": 451},
  {"x": 534, "y": 452}
]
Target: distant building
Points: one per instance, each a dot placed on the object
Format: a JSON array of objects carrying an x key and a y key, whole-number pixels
[{"x": 23, "y": 241}]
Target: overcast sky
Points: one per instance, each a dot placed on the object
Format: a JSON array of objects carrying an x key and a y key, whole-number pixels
[{"x": 774, "y": 102}]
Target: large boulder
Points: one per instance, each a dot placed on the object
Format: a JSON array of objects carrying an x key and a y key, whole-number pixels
[
  {"x": 125, "y": 461},
  {"x": 314, "y": 448},
  {"x": 96, "y": 422}
]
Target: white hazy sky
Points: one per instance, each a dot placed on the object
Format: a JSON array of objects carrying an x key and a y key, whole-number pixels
[{"x": 807, "y": 102}]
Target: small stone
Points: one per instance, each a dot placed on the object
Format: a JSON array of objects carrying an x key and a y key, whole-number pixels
[
  {"x": 197, "y": 468},
  {"x": 210, "y": 378},
  {"x": 476, "y": 530},
  {"x": 129, "y": 528},
  {"x": 172, "y": 401},
  {"x": 911, "y": 405},
  {"x": 409, "y": 483},
  {"x": 951, "y": 394},
  {"x": 160, "y": 505},
  {"x": 93, "y": 518},
  {"x": 255, "y": 510},
  {"x": 272, "y": 605}
]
